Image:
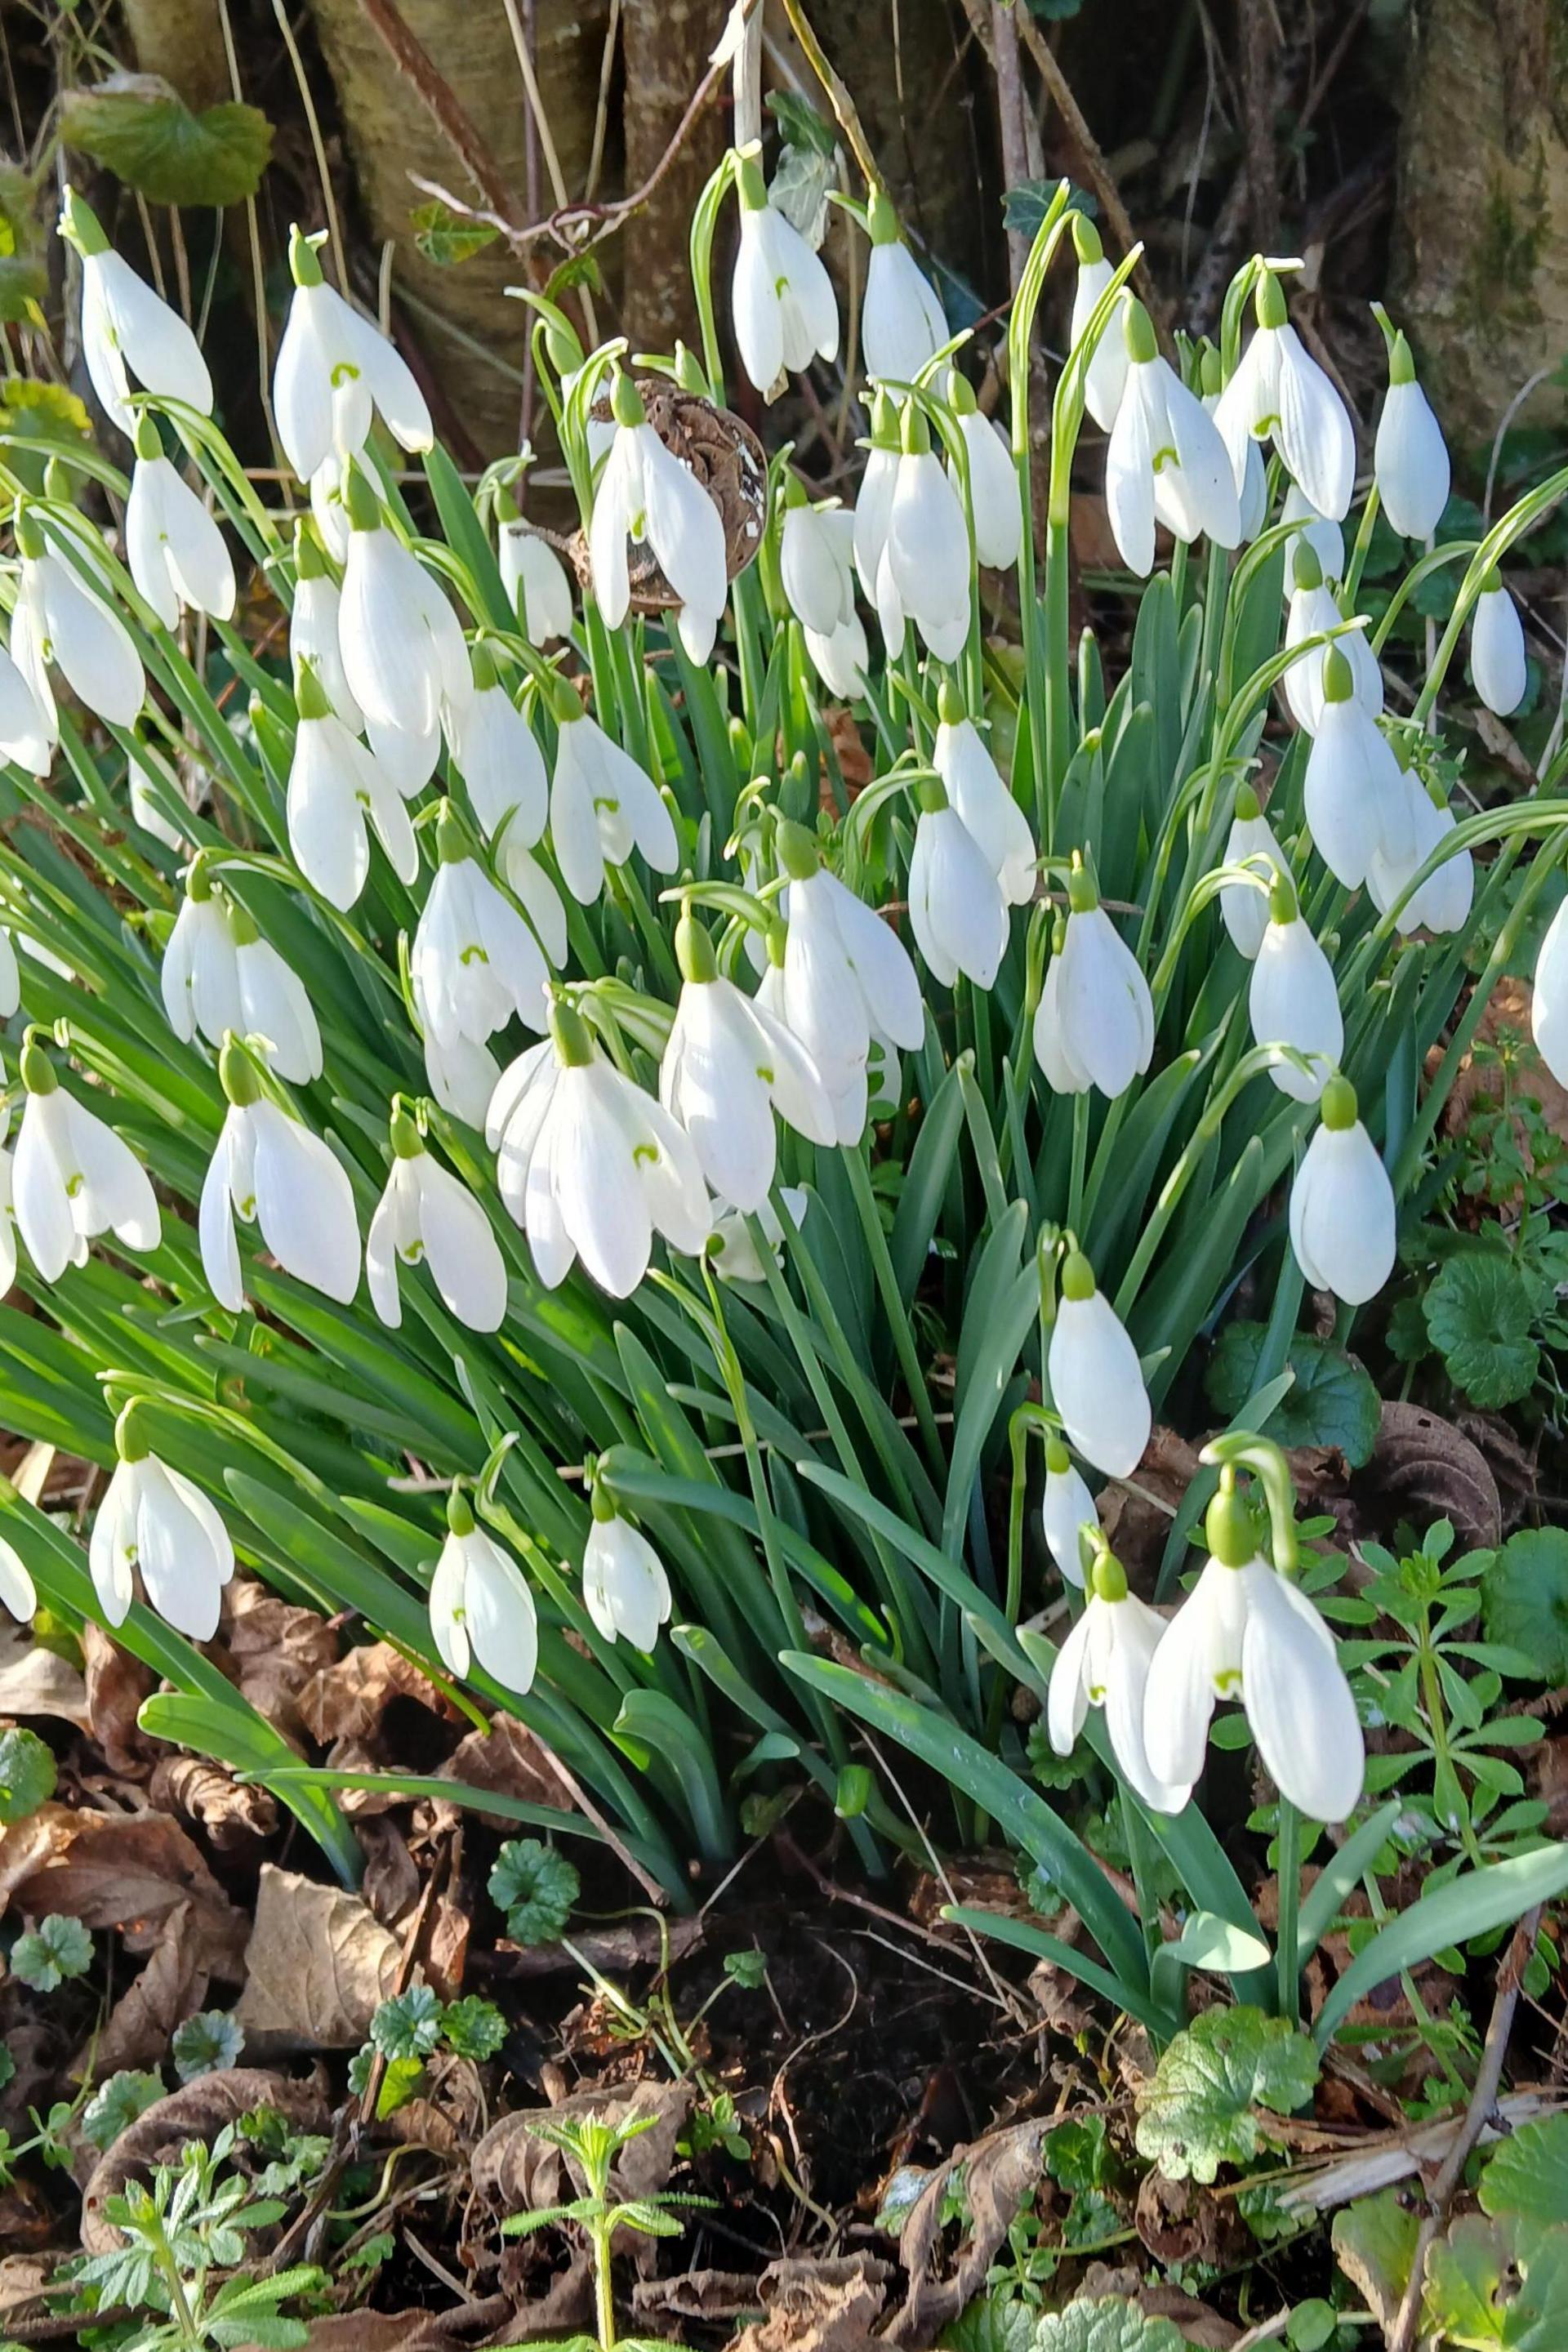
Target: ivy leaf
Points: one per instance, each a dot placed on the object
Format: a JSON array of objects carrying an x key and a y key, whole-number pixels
[
  {"x": 142, "y": 131},
  {"x": 208, "y": 2044},
  {"x": 446, "y": 237},
  {"x": 1524, "y": 1597},
  {"x": 473, "y": 2027},
  {"x": 993, "y": 2322},
  {"x": 1481, "y": 1311},
  {"x": 27, "y": 1775},
  {"x": 1106, "y": 2323},
  {"x": 116, "y": 2103},
  {"x": 801, "y": 123},
  {"x": 1025, "y": 206},
  {"x": 59, "y": 1947},
  {"x": 408, "y": 2025},
  {"x": 1197, "y": 2113},
  {"x": 1332, "y": 1402},
  {"x": 536, "y": 1888},
  {"x": 1499, "y": 2283},
  {"x": 1528, "y": 2177}
]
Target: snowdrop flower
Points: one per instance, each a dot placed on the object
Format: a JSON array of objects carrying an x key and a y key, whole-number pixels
[
  {"x": 1410, "y": 462},
  {"x": 646, "y": 493},
  {"x": 28, "y": 736},
  {"x": 461, "y": 1075},
  {"x": 589, "y": 1165},
  {"x": 129, "y": 330},
  {"x": 1252, "y": 495},
  {"x": 274, "y": 1004},
  {"x": 1279, "y": 391},
  {"x": 154, "y": 1520},
  {"x": 602, "y": 805},
  {"x": 842, "y": 659},
  {"x": 875, "y": 503},
  {"x": 1549, "y": 997},
  {"x": 733, "y": 1252},
  {"x": 1291, "y": 998},
  {"x": 328, "y": 505},
  {"x": 901, "y": 322},
  {"x": 781, "y": 298},
  {"x": 957, "y": 912},
  {"x": 624, "y": 1589},
  {"x": 1068, "y": 1507},
  {"x": 474, "y": 959},
  {"x": 141, "y": 774},
  {"x": 198, "y": 978},
  {"x": 728, "y": 1067},
  {"x": 845, "y": 979},
  {"x": 72, "y": 1178},
  {"x": 1314, "y": 613},
  {"x": 995, "y": 510},
  {"x": 1353, "y": 793},
  {"x": 535, "y": 581},
  {"x": 172, "y": 545},
  {"x": 1496, "y": 648},
  {"x": 313, "y": 626},
  {"x": 1444, "y": 900},
  {"x": 59, "y": 623},
  {"x": 335, "y": 371},
  {"x": 8, "y": 1215},
  {"x": 816, "y": 562},
  {"x": 426, "y": 1213},
  {"x": 1326, "y": 538},
  {"x": 1097, "y": 1383},
  {"x": 509, "y": 791},
  {"x": 403, "y": 652},
  {"x": 1166, "y": 462},
  {"x": 1094, "y": 1024},
  {"x": 975, "y": 788},
  {"x": 1246, "y": 1632},
  {"x": 927, "y": 554},
  {"x": 481, "y": 1605},
  {"x": 268, "y": 1169},
  {"x": 1250, "y": 842},
  {"x": 1105, "y": 379},
  {"x": 1105, "y": 1662},
  {"x": 1341, "y": 1205},
  {"x": 18, "y": 1593},
  {"x": 335, "y": 785}
]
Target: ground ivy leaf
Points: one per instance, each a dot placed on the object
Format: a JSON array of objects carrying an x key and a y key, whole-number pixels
[
  {"x": 536, "y": 1888},
  {"x": 115, "y": 2104},
  {"x": 142, "y": 131},
  {"x": 408, "y": 2025},
  {"x": 1481, "y": 1312},
  {"x": 1528, "y": 2177},
  {"x": 207, "y": 2043},
  {"x": 1197, "y": 2111},
  {"x": 1374, "y": 2244},
  {"x": 1524, "y": 1597},
  {"x": 27, "y": 1775},
  {"x": 993, "y": 2322},
  {"x": 1106, "y": 2323},
  {"x": 1503, "y": 2283},
  {"x": 58, "y": 1948},
  {"x": 1332, "y": 1402}
]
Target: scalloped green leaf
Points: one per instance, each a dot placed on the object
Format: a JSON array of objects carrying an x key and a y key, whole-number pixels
[{"x": 140, "y": 129}]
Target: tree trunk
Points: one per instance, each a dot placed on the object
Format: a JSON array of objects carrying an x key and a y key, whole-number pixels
[
  {"x": 1481, "y": 254},
  {"x": 472, "y": 339},
  {"x": 667, "y": 45}
]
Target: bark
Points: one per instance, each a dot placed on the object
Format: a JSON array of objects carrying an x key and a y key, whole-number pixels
[
  {"x": 183, "y": 41},
  {"x": 390, "y": 133},
  {"x": 667, "y": 44},
  {"x": 1481, "y": 254}
]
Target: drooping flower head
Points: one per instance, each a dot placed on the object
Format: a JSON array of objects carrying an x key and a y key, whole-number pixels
[
  {"x": 1410, "y": 464},
  {"x": 1105, "y": 1662},
  {"x": 129, "y": 330},
  {"x": 1096, "y": 1382},
  {"x": 626, "y": 1589},
  {"x": 73, "y": 1177},
  {"x": 1342, "y": 1215},
  {"x": 781, "y": 298},
  {"x": 155, "y": 1522},
  {"x": 480, "y": 1604}
]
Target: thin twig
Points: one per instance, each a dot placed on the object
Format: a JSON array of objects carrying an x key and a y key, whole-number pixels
[
  {"x": 1477, "y": 2114},
  {"x": 838, "y": 97},
  {"x": 440, "y": 101}
]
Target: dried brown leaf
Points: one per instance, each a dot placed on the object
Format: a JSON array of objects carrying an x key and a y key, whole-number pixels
[
  {"x": 129, "y": 1871},
  {"x": 233, "y": 1817},
  {"x": 1431, "y": 1470},
  {"x": 509, "y": 1759},
  {"x": 1000, "y": 2172},
  {"x": 391, "y": 1881},
  {"x": 116, "y": 1686},
  {"x": 171, "y": 1988},
  {"x": 35, "y": 1682},
  {"x": 514, "y": 2172},
  {"x": 814, "y": 2304},
  {"x": 348, "y": 1699},
  {"x": 276, "y": 1648},
  {"x": 318, "y": 1966}
]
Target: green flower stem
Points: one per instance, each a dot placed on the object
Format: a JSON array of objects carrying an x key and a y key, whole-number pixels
[
  {"x": 1487, "y": 557},
  {"x": 886, "y": 1283},
  {"x": 1288, "y": 1877},
  {"x": 1359, "y": 552}
]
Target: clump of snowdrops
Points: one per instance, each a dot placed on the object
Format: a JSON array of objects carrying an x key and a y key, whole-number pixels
[{"x": 506, "y": 1139}]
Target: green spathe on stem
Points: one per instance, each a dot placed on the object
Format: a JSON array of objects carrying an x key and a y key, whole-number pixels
[
  {"x": 881, "y": 219},
  {"x": 694, "y": 949},
  {"x": 570, "y": 1034},
  {"x": 459, "y": 1511},
  {"x": 1138, "y": 333},
  {"x": 1337, "y": 1105},
  {"x": 37, "y": 1071},
  {"x": 403, "y": 1131},
  {"x": 1229, "y": 1529},
  {"x": 1338, "y": 678},
  {"x": 238, "y": 1073},
  {"x": 132, "y": 1443},
  {"x": 796, "y": 850},
  {"x": 626, "y": 403},
  {"x": 1269, "y": 301},
  {"x": 1077, "y": 1278},
  {"x": 304, "y": 259}
]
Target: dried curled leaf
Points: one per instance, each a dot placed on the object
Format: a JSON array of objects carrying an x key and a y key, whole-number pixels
[
  {"x": 729, "y": 461},
  {"x": 318, "y": 1964}
]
